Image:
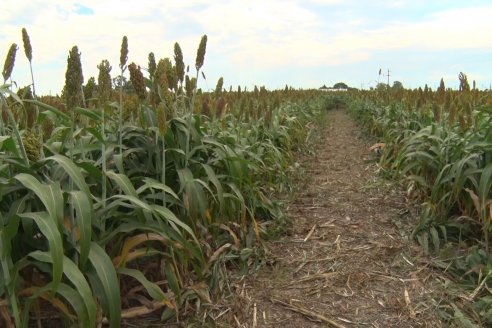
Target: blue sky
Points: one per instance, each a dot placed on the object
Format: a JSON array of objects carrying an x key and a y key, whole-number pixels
[{"x": 302, "y": 43}]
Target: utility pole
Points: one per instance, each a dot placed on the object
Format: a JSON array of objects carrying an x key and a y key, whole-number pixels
[{"x": 388, "y": 77}]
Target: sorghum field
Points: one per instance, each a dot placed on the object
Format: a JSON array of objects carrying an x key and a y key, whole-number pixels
[
  {"x": 120, "y": 200},
  {"x": 137, "y": 199}
]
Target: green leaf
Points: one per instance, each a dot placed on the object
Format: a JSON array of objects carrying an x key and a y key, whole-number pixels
[
  {"x": 168, "y": 215},
  {"x": 52, "y": 109},
  {"x": 153, "y": 289},
  {"x": 50, "y": 195},
  {"x": 77, "y": 303},
  {"x": 462, "y": 320},
  {"x": 73, "y": 171},
  {"x": 96, "y": 133},
  {"x": 218, "y": 186},
  {"x": 172, "y": 280},
  {"x": 84, "y": 213},
  {"x": 48, "y": 228},
  {"x": 435, "y": 238},
  {"x": 138, "y": 204},
  {"x": 484, "y": 189},
  {"x": 76, "y": 277},
  {"x": 8, "y": 144},
  {"x": 154, "y": 184},
  {"x": 108, "y": 279},
  {"x": 123, "y": 182},
  {"x": 91, "y": 114}
]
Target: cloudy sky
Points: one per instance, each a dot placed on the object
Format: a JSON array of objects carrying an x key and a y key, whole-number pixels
[{"x": 302, "y": 43}]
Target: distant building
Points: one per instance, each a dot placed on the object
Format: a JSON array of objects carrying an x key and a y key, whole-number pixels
[{"x": 325, "y": 88}]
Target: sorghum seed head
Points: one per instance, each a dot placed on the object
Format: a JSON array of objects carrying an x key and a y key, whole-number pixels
[
  {"x": 190, "y": 85},
  {"x": 9, "y": 62},
  {"x": 206, "y": 107},
  {"x": 200, "y": 54},
  {"x": 73, "y": 79},
  {"x": 137, "y": 79},
  {"x": 124, "y": 52},
  {"x": 152, "y": 65},
  {"x": 27, "y": 44},
  {"x": 171, "y": 73},
  {"x": 161, "y": 77},
  {"x": 104, "y": 82},
  {"x": 221, "y": 106},
  {"x": 219, "y": 86},
  {"x": 161, "y": 118},
  {"x": 32, "y": 144},
  {"x": 178, "y": 60}
]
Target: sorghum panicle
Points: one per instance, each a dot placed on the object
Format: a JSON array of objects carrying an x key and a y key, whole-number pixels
[
  {"x": 161, "y": 118},
  {"x": 219, "y": 86},
  {"x": 124, "y": 52},
  {"x": 73, "y": 79},
  {"x": 27, "y": 44},
  {"x": 178, "y": 60},
  {"x": 152, "y": 65},
  {"x": 104, "y": 82},
  {"x": 200, "y": 54},
  {"x": 137, "y": 79},
  {"x": 9, "y": 62}
]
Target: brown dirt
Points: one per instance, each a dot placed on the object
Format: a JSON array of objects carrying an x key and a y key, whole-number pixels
[{"x": 348, "y": 259}]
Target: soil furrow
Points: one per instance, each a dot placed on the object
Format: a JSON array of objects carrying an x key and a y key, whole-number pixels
[{"x": 347, "y": 260}]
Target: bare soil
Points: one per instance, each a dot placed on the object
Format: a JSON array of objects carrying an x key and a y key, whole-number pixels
[{"x": 348, "y": 259}]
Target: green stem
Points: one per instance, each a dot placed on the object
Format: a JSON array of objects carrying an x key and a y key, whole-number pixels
[
  {"x": 6, "y": 265},
  {"x": 70, "y": 181},
  {"x": 2, "y": 129},
  {"x": 163, "y": 173},
  {"x": 120, "y": 114},
  {"x": 192, "y": 105},
  {"x": 103, "y": 151},
  {"x": 32, "y": 80}
]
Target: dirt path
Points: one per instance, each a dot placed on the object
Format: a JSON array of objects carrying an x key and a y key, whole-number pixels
[{"x": 347, "y": 260}]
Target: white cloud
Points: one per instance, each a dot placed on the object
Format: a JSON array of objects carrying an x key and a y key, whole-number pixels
[{"x": 247, "y": 36}]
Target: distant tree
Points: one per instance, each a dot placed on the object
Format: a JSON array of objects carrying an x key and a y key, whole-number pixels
[
  {"x": 119, "y": 80},
  {"x": 340, "y": 85},
  {"x": 382, "y": 86},
  {"x": 397, "y": 85}
]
